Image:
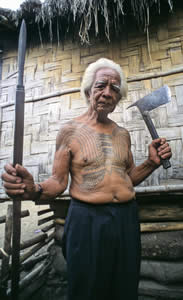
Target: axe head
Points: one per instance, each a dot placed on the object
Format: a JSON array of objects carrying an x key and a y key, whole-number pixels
[{"x": 158, "y": 97}]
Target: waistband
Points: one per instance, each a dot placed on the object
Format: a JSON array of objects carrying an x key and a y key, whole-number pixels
[{"x": 78, "y": 202}]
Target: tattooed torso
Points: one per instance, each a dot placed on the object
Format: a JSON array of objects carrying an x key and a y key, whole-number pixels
[{"x": 99, "y": 163}]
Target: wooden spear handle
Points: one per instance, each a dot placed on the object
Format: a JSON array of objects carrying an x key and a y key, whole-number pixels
[{"x": 17, "y": 159}]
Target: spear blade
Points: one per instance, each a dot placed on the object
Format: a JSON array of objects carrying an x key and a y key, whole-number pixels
[{"x": 17, "y": 159}]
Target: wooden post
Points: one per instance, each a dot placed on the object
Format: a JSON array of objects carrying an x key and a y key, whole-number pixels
[{"x": 7, "y": 247}]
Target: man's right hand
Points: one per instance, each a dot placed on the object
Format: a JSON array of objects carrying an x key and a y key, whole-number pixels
[{"x": 18, "y": 182}]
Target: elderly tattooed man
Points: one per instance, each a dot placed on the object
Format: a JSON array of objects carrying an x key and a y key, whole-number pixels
[{"x": 101, "y": 240}]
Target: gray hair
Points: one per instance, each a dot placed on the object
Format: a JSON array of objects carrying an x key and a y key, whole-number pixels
[{"x": 91, "y": 70}]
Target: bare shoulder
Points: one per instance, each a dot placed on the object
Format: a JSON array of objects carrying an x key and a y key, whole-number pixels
[
  {"x": 65, "y": 134},
  {"x": 119, "y": 130},
  {"x": 122, "y": 134}
]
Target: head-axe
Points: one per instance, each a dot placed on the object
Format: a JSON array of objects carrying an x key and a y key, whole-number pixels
[{"x": 149, "y": 102}]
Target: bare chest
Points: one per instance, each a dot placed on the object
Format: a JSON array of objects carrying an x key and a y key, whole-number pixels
[{"x": 97, "y": 150}]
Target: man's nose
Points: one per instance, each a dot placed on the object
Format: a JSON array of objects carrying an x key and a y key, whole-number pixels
[{"x": 107, "y": 92}]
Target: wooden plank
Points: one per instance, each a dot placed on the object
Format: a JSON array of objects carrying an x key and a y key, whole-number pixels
[
  {"x": 47, "y": 228},
  {"x": 163, "y": 226},
  {"x": 32, "y": 251},
  {"x": 151, "y": 75},
  {"x": 44, "y": 211},
  {"x": 45, "y": 220},
  {"x": 28, "y": 265},
  {"x": 24, "y": 213},
  {"x": 33, "y": 241},
  {"x": 32, "y": 281},
  {"x": 30, "y": 276},
  {"x": 36, "y": 248},
  {"x": 157, "y": 213}
]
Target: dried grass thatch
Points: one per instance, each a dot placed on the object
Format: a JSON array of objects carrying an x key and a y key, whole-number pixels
[{"x": 84, "y": 18}]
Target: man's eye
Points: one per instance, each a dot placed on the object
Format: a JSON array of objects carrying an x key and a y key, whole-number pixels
[
  {"x": 100, "y": 86},
  {"x": 116, "y": 88}
]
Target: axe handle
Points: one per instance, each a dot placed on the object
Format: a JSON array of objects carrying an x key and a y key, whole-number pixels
[{"x": 149, "y": 123}]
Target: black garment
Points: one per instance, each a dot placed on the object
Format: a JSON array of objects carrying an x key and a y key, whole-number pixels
[{"x": 101, "y": 244}]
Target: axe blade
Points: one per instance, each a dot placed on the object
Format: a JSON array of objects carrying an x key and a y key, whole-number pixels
[
  {"x": 153, "y": 100},
  {"x": 148, "y": 103}
]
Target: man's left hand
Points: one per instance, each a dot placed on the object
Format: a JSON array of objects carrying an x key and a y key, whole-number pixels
[{"x": 159, "y": 149}]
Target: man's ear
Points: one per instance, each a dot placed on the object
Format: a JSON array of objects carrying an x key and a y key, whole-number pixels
[{"x": 87, "y": 93}]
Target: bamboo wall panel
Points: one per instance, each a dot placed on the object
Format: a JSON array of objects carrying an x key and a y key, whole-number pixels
[{"x": 52, "y": 68}]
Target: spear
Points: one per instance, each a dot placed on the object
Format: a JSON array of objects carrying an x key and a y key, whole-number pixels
[{"x": 17, "y": 159}]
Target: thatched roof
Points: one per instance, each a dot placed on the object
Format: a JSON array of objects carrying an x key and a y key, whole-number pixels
[{"x": 83, "y": 18}]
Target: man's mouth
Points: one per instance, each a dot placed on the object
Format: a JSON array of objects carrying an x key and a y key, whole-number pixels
[{"x": 103, "y": 103}]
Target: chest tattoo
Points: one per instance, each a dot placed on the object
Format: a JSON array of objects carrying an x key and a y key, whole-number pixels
[{"x": 100, "y": 154}]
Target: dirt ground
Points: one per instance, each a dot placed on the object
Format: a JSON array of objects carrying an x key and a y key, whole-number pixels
[{"x": 29, "y": 227}]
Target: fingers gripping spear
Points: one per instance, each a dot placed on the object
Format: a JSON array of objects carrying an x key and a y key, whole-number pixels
[{"x": 17, "y": 158}]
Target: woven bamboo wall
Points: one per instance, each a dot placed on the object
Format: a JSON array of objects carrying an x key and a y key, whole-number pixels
[{"x": 54, "y": 68}]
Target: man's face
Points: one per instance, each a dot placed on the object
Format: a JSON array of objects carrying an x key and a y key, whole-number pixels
[{"x": 105, "y": 91}]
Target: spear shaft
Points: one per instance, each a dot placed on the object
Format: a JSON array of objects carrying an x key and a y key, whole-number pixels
[{"x": 17, "y": 159}]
